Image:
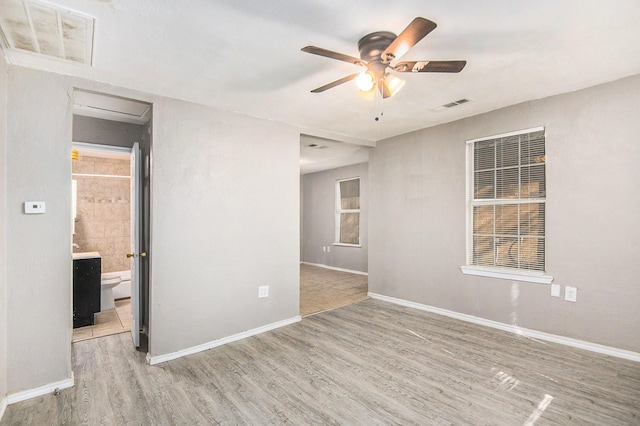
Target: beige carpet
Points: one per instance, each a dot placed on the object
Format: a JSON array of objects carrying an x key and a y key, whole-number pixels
[{"x": 322, "y": 289}]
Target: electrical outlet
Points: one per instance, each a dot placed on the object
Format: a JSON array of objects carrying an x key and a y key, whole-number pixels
[
  {"x": 324, "y": 248},
  {"x": 328, "y": 249},
  {"x": 570, "y": 294},
  {"x": 555, "y": 290},
  {"x": 263, "y": 291}
]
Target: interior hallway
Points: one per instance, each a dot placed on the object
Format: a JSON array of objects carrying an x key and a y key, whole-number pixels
[{"x": 322, "y": 289}]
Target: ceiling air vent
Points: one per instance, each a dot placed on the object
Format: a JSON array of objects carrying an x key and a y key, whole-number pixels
[
  {"x": 47, "y": 30},
  {"x": 455, "y": 103},
  {"x": 451, "y": 104}
]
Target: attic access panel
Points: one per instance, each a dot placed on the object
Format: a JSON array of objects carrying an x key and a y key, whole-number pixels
[{"x": 47, "y": 30}]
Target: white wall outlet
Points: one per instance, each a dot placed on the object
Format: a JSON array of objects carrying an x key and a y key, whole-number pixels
[
  {"x": 263, "y": 291},
  {"x": 324, "y": 248},
  {"x": 555, "y": 290},
  {"x": 34, "y": 207},
  {"x": 570, "y": 294},
  {"x": 328, "y": 249}
]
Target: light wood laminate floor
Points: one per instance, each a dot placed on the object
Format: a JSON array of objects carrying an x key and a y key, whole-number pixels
[
  {"x": 322, "y": 289},
  {"x": 368, "y": 363}
]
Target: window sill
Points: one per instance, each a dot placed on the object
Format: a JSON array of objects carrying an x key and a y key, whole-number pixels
[
  {"x": 347, "y": 245},
  {"x": 507, "y": 274}
]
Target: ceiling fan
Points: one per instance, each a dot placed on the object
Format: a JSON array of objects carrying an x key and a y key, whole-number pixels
[{"x": 377, "y": 52}]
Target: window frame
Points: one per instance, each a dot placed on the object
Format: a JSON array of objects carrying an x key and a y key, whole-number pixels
[
  {"x": 339, "y": 211},
  {"x": 510, "y": 273}
]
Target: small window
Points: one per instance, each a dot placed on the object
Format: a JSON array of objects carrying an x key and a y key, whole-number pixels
[
  {"x": 506, "y": 195},
  {"x": 348, "y": 211}
]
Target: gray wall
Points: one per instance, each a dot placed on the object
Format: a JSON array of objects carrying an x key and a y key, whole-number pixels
[
  {"x": 417, "y": 217},
  {"x": 105, "y": 132},
  {"x": 217, "y": 233},
  {"x": 318, "y": 219},
  {"x": 38, "y": 275},
  {"x": 3, "y": 211},
  {"x": 225, "y": 220}
]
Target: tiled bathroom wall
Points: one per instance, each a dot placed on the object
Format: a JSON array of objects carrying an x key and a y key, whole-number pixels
[{"x": 103, "y": 210}]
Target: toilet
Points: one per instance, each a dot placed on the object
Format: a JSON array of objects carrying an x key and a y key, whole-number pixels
[
  {"x": 123, "y": 290},
  {"x": 108, "y": 281}
]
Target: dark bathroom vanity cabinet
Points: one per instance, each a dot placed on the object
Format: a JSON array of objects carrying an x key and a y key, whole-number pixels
[{"x": 87, "y": 268}]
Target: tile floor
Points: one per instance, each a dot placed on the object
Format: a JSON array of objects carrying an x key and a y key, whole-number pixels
[
  {"x": 112, "y": 321},
  {"x": 322, "y": 289}
]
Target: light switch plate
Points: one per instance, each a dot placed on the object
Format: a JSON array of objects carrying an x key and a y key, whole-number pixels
[
  {"x": 34, "y": 207},
  {"x": 555, "y": 290},
  {"x": 570, "y": 294},
  {"x": 263, "y": 291}
]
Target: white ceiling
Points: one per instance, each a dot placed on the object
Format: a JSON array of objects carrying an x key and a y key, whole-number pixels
[
  {"x": 317, "y": 154},
  {"x": 245, "y": 55}
]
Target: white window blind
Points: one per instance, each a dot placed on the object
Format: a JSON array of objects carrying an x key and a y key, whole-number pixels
[
  {"x": 348, "y": 211},
  {"x": 506, "y": 201}
]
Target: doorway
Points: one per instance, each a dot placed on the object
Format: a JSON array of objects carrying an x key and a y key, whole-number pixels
[
  {"x": 333, "y": 271},
  {"x": 111, "y": 203},
  {"x": 101, "y": 210}
]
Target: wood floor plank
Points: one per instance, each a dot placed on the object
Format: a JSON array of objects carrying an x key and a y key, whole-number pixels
[{"x": 368, "y": 363}]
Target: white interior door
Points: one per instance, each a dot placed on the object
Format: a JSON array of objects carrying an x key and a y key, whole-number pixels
[{"x": 135, "y": 253}]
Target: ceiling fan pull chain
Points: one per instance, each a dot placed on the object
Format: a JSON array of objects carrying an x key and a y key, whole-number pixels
[{"x": 379, "y": 99}]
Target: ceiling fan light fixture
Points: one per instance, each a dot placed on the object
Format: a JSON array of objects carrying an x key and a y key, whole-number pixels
[
  {"x": 377, "y": 52},
  {"x": 366, "y": 80},
  {"x": 391, "y": 85}
]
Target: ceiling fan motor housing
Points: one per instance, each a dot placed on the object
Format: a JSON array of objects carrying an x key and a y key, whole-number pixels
[{"x": 372, "y": 45}]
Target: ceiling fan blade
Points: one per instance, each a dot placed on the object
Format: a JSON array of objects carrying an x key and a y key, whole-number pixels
[
  {"x": 335, "y": 83},
  {"x": 333, "y": 55},
  {"x": 430, "y": 66},
  {"x": 415, "y": 31}
]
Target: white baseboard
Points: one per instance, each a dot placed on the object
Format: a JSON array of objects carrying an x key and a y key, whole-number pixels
[
  {"x": 3, "y": 407},
  {"x": 153, "y": 360},
  {"x": 42, "y": 390},
  {"x": 351, "y": 271},
  {"x": 581, "y": 344}
]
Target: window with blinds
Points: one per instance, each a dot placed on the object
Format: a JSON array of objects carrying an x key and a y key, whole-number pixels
[
  {"x": 348, "y": 211},
  {"x": 506, "y": 201}
]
